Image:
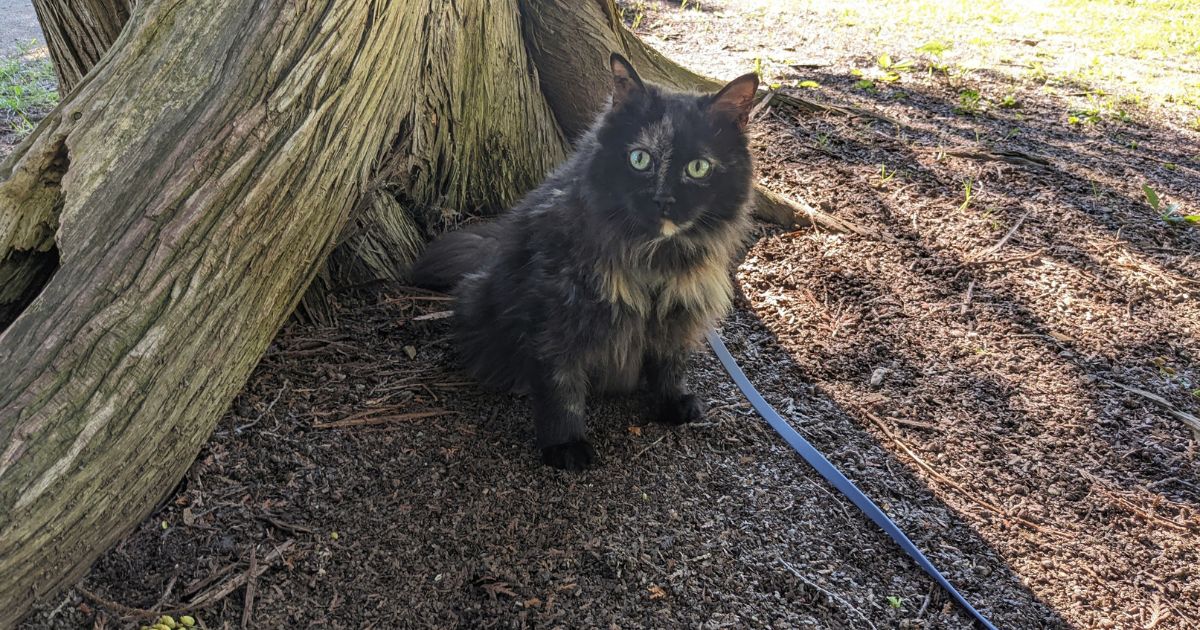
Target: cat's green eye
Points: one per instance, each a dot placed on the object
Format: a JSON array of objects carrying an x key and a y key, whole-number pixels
[
  {"x": 639, "y": 159},
  {"x": 699, "y": 169}
]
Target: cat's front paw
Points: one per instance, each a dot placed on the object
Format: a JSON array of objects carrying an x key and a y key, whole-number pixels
[
  {"x": 577, "y": 455},
  {"x": 687, "y": 408}
]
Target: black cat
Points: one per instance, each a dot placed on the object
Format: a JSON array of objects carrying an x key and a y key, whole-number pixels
[{"x": 611, "y": 270}]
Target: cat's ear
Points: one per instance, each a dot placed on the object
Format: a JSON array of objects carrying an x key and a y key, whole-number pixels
[
  {"x": 627, "y": 85},
  {"x": 734, "y": 100}
]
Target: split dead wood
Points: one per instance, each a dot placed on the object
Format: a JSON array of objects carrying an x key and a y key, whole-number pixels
[
  {"x": 324, "y": 347},
  {"x": 778, "y": 209},
  {"x": 925, "y": 604},
  {"x": 651, "y": 445},
  {"x": 162, "y": 601},
  {"x": 810, "y": 106},
  {"x": 266, "y": 411},
  {"x": 417, "y": 298},
  {"x": 754, "y": 113},
  {"x": 421, "y": 293},
  {"x": 204, "y": 582}
]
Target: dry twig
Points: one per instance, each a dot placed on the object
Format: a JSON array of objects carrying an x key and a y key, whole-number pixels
[
  {"x": 984, "y": 503},
  {"x": 1011, "y": 157},
  {"x": 778, "y": 209},
  {"x": 1004, "y": 261},
  {"x": 251, "y": 583},
  {"x": 369, "y": 418},
  {"x": 1013, "y": 230},
  {"x": 1190, "y": 420},
  {"x": 1134, "y": 509},
  {"x": 806, "y": 105},
  {"x": 278, "y": 524},
  {"x": 833, "y": 596},
  {"x": 221, "y": 591},
  {"x": 651, "y": 445},
  {"x": 121, "y": 609},
  {"x": 266, "y": 411}
]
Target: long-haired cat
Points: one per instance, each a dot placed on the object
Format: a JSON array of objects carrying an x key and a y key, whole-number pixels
[{"x": 606, "y": 276}]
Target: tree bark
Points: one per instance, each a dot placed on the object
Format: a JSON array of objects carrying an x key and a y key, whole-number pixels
[
  {"x": 78, "y": 32},
  {"x": 388, "y": 230},
  {"x": 159, "y": 226},
  {"x": 192, "y": 186},
  {"x": 567, "y": 43},
  {"x": 565, "y": 39}
]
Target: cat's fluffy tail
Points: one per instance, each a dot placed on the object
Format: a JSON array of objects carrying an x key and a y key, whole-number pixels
[{"x": 451, "y": 257}]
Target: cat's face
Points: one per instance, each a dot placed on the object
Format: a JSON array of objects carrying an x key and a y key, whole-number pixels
[{"x": 672, "y": 165}]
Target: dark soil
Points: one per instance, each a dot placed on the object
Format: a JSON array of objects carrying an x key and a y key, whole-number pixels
[{"x": 970, "y": 369}]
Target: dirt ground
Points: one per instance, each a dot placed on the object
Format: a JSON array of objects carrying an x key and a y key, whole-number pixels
[
  {"x": 18, "y": 26},
  {"x": 1009, "y": 375}
]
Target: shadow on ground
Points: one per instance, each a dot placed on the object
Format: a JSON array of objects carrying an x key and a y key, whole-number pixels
[
  {"x": 1009, "y": 328},
  {"x": 449, "y": 520},
  {"x": 965, "y": 370}
]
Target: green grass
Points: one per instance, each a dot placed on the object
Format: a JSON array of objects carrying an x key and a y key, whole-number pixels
[
  {"x": 1149, "y": 49},
  {"x": 968, "y": 194},
  {"x": 969, "y": 102},
  {"x": 28, "y": 89},
  {"x": 1168, "y": 212}
]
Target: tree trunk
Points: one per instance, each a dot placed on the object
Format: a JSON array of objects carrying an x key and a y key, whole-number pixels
[
  {"x": 159, "y": 226},
  {"x": 566, "y": 38},
  {"x": 78, "y": 32},
  {"x": 387, "y": 230},
  {"x": 192, "y": 185}
]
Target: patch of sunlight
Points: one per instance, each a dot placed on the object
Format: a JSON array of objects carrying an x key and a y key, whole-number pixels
[{"x": 1148, "y": 49}]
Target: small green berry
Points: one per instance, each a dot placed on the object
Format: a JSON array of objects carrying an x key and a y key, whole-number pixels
[
  {"x": 334, "y": 535},
  {"x": 187, "y": 620},
  {"x": 168, "y": 621}
]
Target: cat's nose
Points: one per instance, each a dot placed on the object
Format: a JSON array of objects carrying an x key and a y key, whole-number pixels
[{"x": 664, "y": 202}]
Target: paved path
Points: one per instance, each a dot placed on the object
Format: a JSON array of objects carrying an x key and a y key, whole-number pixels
[{"x": 18, "y": 26}]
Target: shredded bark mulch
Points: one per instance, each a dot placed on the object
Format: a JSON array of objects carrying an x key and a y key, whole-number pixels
[{"x": 1010, "y": 376}]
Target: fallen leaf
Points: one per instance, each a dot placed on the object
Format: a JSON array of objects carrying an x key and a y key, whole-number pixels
[
  {"x": 635, "y": 430},
  {"x": 656, "y": 592}
]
